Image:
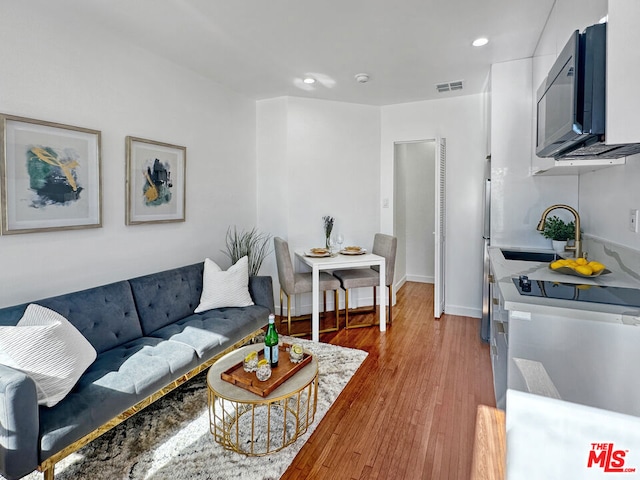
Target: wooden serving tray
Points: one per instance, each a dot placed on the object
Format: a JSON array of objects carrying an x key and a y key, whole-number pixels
[{"x": 280, "y": 374}]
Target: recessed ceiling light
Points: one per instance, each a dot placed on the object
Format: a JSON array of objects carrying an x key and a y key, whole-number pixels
[
  {"x": 479, "y": 42},
  {"x": 309, "y": 80}
]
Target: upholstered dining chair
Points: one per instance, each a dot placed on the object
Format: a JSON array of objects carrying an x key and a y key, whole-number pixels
[
  {"x": 385, "y": 246},
  {"x": 292, "y": 283}
]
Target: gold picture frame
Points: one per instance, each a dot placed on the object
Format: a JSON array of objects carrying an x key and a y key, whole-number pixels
[
  {"x": 156, "y": 184},
  {"x": 50, "y": 176}
]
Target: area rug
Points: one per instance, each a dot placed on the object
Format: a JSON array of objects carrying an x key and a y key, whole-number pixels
[{"x": 171, "y": 440}]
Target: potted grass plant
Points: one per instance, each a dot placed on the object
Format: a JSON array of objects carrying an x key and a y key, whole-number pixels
[
  {"x": 252, "y": 244},
  {"x": 558, "y": 231}
]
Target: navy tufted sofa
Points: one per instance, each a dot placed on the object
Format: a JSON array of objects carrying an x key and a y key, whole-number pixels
[{"x": 148, "y": 341}]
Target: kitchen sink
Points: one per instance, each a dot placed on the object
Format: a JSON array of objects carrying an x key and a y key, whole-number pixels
[{"x": 529, "y": 256}]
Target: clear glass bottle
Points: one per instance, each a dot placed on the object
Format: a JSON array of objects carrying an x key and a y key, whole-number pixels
[{"x": 271, "y": 342}]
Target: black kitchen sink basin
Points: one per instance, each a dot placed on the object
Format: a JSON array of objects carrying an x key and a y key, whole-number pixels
[{"x": 529, "y": 256}]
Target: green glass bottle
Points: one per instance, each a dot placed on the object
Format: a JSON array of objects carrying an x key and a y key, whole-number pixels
[{"x": 271, "y": 342}]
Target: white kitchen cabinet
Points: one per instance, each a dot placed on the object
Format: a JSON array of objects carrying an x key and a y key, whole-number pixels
[
  {"x": 566, "y": 356},
  {"x": 623, "y": 71},
  {"x": 498, "y": 339},
  {"x": 577, "y": 351},
  {"x": 582, "y": 361}
]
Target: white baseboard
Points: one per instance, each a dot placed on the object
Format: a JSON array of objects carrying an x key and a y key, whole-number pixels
[
  {"x": 363, "y": 298},
  {"x": 420, "y": 278},
  {"x": 463, "y": 311},
  {"x": 358, "y": 297}
]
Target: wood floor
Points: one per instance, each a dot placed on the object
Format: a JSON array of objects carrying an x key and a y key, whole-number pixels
[{"x": 409, "y": 411}]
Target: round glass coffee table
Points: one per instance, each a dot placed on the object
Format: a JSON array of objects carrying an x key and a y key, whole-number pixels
[{"x": 247, "y": 423}]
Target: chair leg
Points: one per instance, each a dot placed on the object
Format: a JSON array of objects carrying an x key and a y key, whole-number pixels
[
  {"x": 324, "y": 305},
  {"x": 289, "y": 314},
  {"x": 307, "y": 317},
  {"x": 337, "y": 308},
  {"x": 390, "y": 298},
  {"x": 337, "y": 313},
  {"x": 281, "y": 293},
  {"x": 346, "y": 309}
]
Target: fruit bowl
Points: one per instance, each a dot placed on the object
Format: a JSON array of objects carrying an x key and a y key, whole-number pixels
[{"x": 571, "y": 271}]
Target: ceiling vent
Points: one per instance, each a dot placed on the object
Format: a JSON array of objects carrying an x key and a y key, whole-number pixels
[{"x": 449, "y": 86}]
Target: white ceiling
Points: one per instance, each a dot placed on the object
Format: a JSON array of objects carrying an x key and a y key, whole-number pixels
[{"x": 262, "y": 48}]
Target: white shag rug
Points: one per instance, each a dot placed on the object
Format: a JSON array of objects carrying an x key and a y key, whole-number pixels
[{"x": 171, "y": 439}]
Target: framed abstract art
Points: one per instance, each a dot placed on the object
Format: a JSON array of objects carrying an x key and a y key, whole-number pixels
[
  {"x": 49, "y": 176},
  {"x": 155, "y": 187}
]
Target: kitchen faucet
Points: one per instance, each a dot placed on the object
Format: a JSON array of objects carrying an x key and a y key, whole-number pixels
[{"x": 577, "y": 246}]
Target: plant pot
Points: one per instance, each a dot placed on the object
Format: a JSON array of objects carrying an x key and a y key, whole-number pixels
[{"x": 559, "y": 246}]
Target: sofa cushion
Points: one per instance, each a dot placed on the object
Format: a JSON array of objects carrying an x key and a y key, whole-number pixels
[
  {"x": 117, "y": 380},
  {"x": 222, "y": 289},
  {"x": 164, "y": 297},
  {"x": 207, "y": 331},
  {"x": 49, "y": 349}
]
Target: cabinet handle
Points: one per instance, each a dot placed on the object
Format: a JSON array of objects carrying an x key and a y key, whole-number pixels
[
  {"x": 496, "y": 302},
  {"x": 490, "y": 278}
]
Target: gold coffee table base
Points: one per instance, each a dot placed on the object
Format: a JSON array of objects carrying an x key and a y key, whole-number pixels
[{"x": 246, "y": 423}]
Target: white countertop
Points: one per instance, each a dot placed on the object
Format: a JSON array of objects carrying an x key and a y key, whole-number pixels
[{"x": 505, "y": 270}]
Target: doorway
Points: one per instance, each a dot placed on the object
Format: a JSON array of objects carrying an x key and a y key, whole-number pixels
[{"x": 418, "y": 223}]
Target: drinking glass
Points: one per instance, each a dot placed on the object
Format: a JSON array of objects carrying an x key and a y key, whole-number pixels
[
  {"x": 263, "y": 372},
  {"x": 332, "y": 243},
  {"x": 339, "y": 241}
]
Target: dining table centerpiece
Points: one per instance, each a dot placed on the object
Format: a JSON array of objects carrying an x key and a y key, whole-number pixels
[{"x": 328, "y": 227}]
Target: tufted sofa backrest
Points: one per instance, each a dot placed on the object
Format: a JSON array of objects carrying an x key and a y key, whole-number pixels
[
  {"x": 165, "y": 297},
  {"x": 105, "y": 315}
]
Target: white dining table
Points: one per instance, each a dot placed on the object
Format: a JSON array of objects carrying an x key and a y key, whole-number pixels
[{"x": 339, "y": 261}]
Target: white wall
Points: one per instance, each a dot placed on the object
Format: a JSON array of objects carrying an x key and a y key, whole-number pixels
[
  {"x": 324, "y": 160},
  {"x": 415, "y": 211},
  {"x": 517, "y": 198},
  {"x": 59, "y": 70},
  {"x": 606, "y": 196},
  {"x": 461, "y": 121}
]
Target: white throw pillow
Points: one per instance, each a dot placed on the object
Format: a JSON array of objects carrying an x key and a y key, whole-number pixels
[
  {"x": 225, "y": 289},
  {"x": 48, "y": 348}
]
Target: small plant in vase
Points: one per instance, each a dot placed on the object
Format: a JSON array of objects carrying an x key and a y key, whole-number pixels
[
  {"x": 328, "y": 227},
  {"x": 252, "y": 244},
  {"x": 558, "y": 231}
]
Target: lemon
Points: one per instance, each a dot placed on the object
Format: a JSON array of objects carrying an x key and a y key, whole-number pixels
[
  {"x": 297, "y": 349},
  {"x": 557, "y": 264},
  {"x": 581, "y": 261},
  {"x": 597, "y": 267},
  {"x": 251, "y": 356},
  {"x": 263, "y": 362},
  {"x": 584, "y": 270}
]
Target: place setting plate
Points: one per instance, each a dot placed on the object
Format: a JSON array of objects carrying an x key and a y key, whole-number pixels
[
  {"x": 318, "y": 253},
  {"x": 353, "y": 250}
]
